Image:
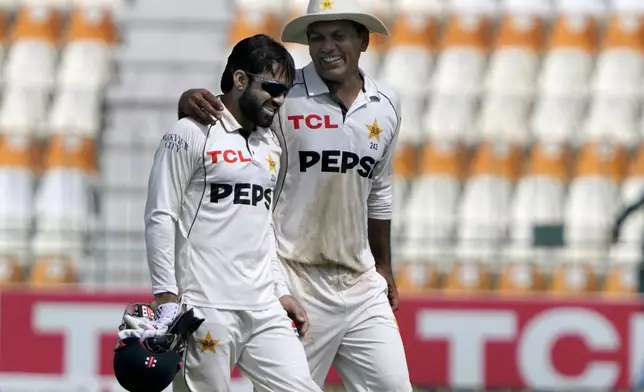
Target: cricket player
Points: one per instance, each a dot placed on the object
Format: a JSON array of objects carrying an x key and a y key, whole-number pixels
[
  {"x": 334, "y": 205},
  {"x": 209, "y": 236}
]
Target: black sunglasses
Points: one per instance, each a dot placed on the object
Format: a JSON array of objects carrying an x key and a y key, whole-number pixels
[{"x": 272, "y": 87}]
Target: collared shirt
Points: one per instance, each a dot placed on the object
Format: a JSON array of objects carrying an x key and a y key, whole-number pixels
[
  {"x": 338, "y": 171},
  {"x": 208, "y": 215}
]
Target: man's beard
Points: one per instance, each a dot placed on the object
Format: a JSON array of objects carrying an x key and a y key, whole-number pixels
[{"x": 252, "y": 110}]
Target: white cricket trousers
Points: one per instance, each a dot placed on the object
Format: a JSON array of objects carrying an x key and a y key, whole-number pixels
[
  {"x": 352, "y": 327},
  {"x": 261, "y": 343}
]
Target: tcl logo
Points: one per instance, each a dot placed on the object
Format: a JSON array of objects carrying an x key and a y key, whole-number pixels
[
  {"x": 312, "y": 121},
  {"x": 560, "y": 348},
  {"x": 228, "y": 156}
]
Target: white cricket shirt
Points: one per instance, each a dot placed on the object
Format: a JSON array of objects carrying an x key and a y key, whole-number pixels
[
  {"x": 338, "y": 171},
  {"x": 208, "y": 230}
]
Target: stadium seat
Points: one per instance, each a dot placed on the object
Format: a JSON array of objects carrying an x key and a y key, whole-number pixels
[
  {"x": 622, "y": 272},
  {"x": 86, "y": 58},
  {"x": 63, "y": 201},
  {"x": 450, "y": 118},
  {"x": 591, "y": 203},
  {"x": 464, "y": 46},
  {"x": 248, "y": 22},
  {"x": 568, "y": 62},
  {"x": 468, "y": 276},
  {"x": 23, "y": 110},
  {"x": 539, "y": 193},
  {"x": 557, "y": 118},
  {"x": 620, "y": 63},
  {"x": 612, "y": 118},
  {"x": 483, "y": 215},
  {"x": 51, "y": 272},
  {"x": 75, "y": 112},
  {"x": 515, "y": 60},
  {"x": 16, "y": 194},
  {"x": 410, "y": 57},
  {"x": 505, "y": 117},
  {"x": 520, "y": 277},
  {"x": 413, "y": 278},
  {"x": 11, "y": 271},
  {"x": 571, "y": 278},
  {"x": 430, "y": 211},
  {"x": 31, "y": 59}
]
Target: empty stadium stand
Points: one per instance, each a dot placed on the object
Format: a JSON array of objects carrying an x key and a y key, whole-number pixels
[{"x": 520, "y": 141}]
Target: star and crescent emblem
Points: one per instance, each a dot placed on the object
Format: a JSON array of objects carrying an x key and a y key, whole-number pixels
[
  {"x": 327, "y": 5},
  {"x": 272, "y": 164},
  {"x": 208, "y": 343},
  {"x": 374, "y": 130}
]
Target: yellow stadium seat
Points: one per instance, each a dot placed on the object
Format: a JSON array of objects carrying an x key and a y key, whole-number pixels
[
  {"x": 247, "y": 23},
  {"x": 498, "y": 159},
  {"x": 468, "y": 276},
  {"x": 442, "y": 158},
  {"x": 573, "y": 278},
  {"x": 404, "y": 161},
  {"x": 37, "y": 23},
  {"x": 520, "y": 31},
  {"x": 16, "y": 151},
  {"x": 11, "y": 271},
  {"x": 461, "y": 65},
  {"x": 602, "y": 159},
  {"x": 624, "y": 31},
  {"x": 568, "y": 63},
  {"x": 91, "y": 24},
  {"x": 520, "y": 278},
  {"x": 467, "y": 31},
  {"x": 551, "y": 160},
  {"x": 48, "y": 272},
  {"x": 417, "y": 278},
  {"x": 515, "y": 60},
  {"x": 621, "y": 280},
  {"x": 636, "y": 165},
  {"x": 574, "y": 31},
  {"x": 72, "y": 152},
  {"x": 414, "y": 30}
]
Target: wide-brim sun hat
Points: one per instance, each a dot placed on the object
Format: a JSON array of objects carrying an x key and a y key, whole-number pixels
[{"x": 330, "y": 10}]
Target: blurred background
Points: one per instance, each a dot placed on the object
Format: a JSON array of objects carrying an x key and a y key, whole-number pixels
[{"x": 519, "y": 177}]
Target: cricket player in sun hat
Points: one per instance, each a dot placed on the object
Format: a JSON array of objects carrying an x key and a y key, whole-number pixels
[{"x": 333, "y": 200}]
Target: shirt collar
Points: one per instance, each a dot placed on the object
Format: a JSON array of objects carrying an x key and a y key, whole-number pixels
[
  {"x": 230, "y": 124},
  {"x": 315, "y": 85},
  {"x": 228, "y": 121}
]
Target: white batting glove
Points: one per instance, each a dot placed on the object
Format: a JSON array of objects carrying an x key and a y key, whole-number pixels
[{"x": 163, "y": 318}]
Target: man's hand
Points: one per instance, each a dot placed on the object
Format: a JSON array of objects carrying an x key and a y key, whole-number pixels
[
  {"x": 164, "y": 315},
  {"x": 200, "y": 105},
  {"x": 296, "y": 313},
  {"x": 392, "y": 290}
]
